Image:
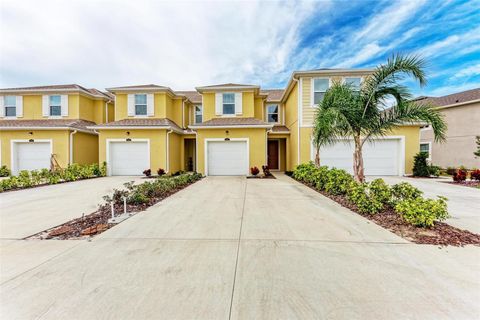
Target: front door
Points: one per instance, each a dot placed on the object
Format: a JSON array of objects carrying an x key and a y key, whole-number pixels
[{"x": 273, "y": 154}]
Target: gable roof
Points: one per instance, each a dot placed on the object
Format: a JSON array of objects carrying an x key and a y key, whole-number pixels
[
  {"x": 273, "y": 95},
  {"x": 193, "y": 96},
  {"x": 75, "y": 124},
  {"x": 226, "y": 86},
  {"x": 139, "y": 123},
  {"x": 59, "y": 88},
  {"x": 225, "y": 122},
  {"x": 459, "y": 98}
]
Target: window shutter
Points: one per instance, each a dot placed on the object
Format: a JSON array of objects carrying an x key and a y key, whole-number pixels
[
  {"x": 2, "y": 107},
  {"x": 131, "y": 105},
  {"x": 45, "y": 106},
  {"x": 150, "y": 105},
  {"x": 19, "y": 106},
  {"x": 218, "y": 104},
  {"x": 238, "y": 103},
  {"x": 64, "y": 102}
]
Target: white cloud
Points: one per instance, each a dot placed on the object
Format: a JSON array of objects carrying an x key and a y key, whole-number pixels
[
  {"x": 450, "y": 44},
  {"x": 178, "y": 44},
  {"x": 449, "y": 89},
  {"x": 467, "y": 72}
]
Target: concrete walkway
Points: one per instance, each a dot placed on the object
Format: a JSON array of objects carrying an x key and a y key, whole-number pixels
[
  {"x": 29, "y": 211},
  {"x": 236, "y": 248},
  {"x": 463, "y": 202}
]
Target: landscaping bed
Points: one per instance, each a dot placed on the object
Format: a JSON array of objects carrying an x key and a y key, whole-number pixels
[
  {"x": 138, "y": 198},
  {"x": 400, "y": 208},
  {"x": 470, "y": 184}
]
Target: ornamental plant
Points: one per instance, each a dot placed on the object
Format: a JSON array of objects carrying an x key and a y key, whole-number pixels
[
  {"x": 404, "y": 191},
  {"x": 266, "y": 171},
  {"x": 460, "y": 175},
  {"x": 254, "y": 171},
  {"x": 4, "y": 171},
  {"x": 147, "y": 172},
  {"x": 420, "y": 165},
  {"x": 361, "y": 195},
  {"x": 423, "y": 212},
  {"x": 475, "y": 175},
  {"x": 161, "y": 172}
]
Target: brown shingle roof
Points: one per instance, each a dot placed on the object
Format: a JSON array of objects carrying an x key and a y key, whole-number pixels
[
  {"x": 63, "y": 87},
  {"x": 272, "y": 94},
  {"x": 141, "y": 86},
  {"x": 193, "y": 96},
  {"x": 47, "y": 123},
  {"x": 140, "y": 122},
  {"x": 229, "y": 85},
  {"x": 280, "y": 129},
  {"x": 233, "y": 121},
  {"x": 460, "y": 97}
]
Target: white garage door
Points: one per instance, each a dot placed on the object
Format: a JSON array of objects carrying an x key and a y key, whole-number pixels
[
  {"x": 380, "y": 157},
  {"x": 128, "y": 158},
  {"x": 31, "y": 156},
  {"x": 227, "y": 158}
]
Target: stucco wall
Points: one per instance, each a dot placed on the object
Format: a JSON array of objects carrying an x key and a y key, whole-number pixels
[
  {"x": 85, "y": 148},
  {"x": 291, "y": 121}
]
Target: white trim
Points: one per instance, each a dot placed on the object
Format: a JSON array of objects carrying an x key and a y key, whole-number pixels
[
  {"x": 195, "y": 113},
  {"x": 312, "y": 92},
  {"x": 108, "y": 141},
  {"x": 223, "y": 139},
  {"x": 44, "y": 128},
  {"x": 299, "y": 116},
  {"x": 13, "y": 164},
  {"x": 266, "y": 112},
  {"x": 279, "y": 163},
  {"x": 429, "y": 149}
]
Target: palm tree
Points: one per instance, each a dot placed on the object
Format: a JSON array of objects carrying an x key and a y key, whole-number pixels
[{"x": 362, "y": 115}]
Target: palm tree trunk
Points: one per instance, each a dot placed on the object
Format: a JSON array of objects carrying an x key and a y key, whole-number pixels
[
  {"x": 358, "y": 171},
  {"x": 317, "y": 157}
]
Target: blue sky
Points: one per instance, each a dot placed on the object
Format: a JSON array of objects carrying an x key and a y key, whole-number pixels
[{"x": 186, "y": 44}]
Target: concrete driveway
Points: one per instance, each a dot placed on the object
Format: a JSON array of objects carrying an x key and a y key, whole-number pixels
[
  {"x": 26, "y": 212},
  {"x": 463, "y": 202},
  {"x": 232, "y": 248}
]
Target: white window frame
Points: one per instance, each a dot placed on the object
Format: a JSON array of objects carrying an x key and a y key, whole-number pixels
[
  {"x": 312, "y": 89},
  {"x": 135, "y": 105},
  {"x": 223, "y": 104},
  {"x": 50, "y": 115},
  {"x": 5, "y": 106},
  {"x": 267, "y": 113},
  {"x": 429, "y": 149},
  {"x": 195, "y": 113},
  {"x": 344, "y": 80}
]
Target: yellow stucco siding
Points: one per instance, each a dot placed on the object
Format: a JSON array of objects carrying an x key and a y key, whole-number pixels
[
  {"x": 208, "y": 105},
  {"x": 412, "y": 144},
  {"x": 161, "y": 101},
  {"x": 305, "y": 144},
  {"x": 175, "y": 147},
  {"x": 85, "y": 148},
  {"x": 59, "y": 138},
  {"x": 175, "y": 111},
  {"x": 157, "y": 138},
  {"x": 248, "y": 105},
  {"x": 259, "y": 110},
  {"x": 291, "y": 121},
  {"x": 256, "y": 139},
  {"x": 308, "y": 111}
]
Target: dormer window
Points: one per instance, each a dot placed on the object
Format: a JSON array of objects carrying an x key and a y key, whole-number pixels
[
  {"x": 140, "y": 104},
  {"x": 55, "y": 105},
  {"x": 10, "y": 106},
  {"x": 272, "y": 113},
  {"x": 229, "y": 103}
]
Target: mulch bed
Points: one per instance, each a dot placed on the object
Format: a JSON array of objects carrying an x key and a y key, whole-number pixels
[
  {"x": 440, "y": 234},
  {"x": 96, "y": 222},
  {"x": 261, "y": 177},
  {"x": 470, "y": 184}
]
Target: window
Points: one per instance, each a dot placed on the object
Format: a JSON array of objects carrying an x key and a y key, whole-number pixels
[
  {"x": 198, "y": 114},
  {"x": 354, "y": 83},
  {"x": 320, "y": 86},
  {"x": 272, "y": 113},
  {"x": 425, "y": 147},
  {"x": 55, "y": 105},
  {"x": 229, "y": 103},
  {"x": 10, "y": 106},
  {"x": 140, "y": 104}
]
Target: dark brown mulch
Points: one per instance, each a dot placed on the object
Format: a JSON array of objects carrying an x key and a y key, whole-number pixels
[
  {"x": 261, "y": 177},
  {"x": 96, "y": 222},
  {"x": 471, "y": 184},
  {"x": 440, "y": 234}
]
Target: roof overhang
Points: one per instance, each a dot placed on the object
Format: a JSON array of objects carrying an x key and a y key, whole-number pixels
[
  {"x": 233, "y": 127},
  {"x": 47, "y": 128},
  {"x": 50, "y": 91},
  {"x": 459, "y": 104},
  {"x": 256, "y": 89},
  {"x": 135, "y": 128}
]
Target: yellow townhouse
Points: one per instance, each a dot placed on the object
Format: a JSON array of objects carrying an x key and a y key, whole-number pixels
[
  {"x": 228, "y": 128},
  {"x": 46, "y": 127}
]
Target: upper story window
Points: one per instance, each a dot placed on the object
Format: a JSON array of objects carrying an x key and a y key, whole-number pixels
[
  {"x": 229, "y": 103},
  {"x": 425, "y": 147},
  {"x": 10, "y": 106},
  {"x": 354, "y": 82},
  {"x": 140, "y": 104},
  {"x": 55, "y": 105},
  {"x": 198, "y": 114},
  {"x": 272, "y": 113},
  {"x": 320, "y": 86}
]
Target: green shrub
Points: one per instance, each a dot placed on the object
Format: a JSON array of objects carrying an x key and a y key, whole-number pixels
[
  {"x": 24, "y": 180},
  {"x": 404, "y": 191},
  {"x": 303, "y": 171},
  {"x": 420, "y": 165},
  {"x": 423, "y": 212},
  {"x": 338, "y": 181},
  {"x": 361, "y": 195},
  {"x": 434, "y": 170},
  {"x": 4, "y": 171},
  {"x": 381, "y": 191}
]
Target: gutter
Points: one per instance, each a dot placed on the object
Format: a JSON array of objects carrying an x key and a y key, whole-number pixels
[
  {"x": 71, "y": 146},
  {"x": 262, "y": 126},
  {"x": 168, "y": 152},
  {"x": 47, "y": 128},
  {"x": 135, "y": 127},
  {"x": 183, "y": 113}
]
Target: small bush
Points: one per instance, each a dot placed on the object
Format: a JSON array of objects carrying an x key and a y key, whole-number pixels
[
  {"x": 254, "y": 171},
  {"x": 460, "y": 175},
  {"x": 475, "y": 175},
  {"x": 4, "y": 171},
  {"x": 434, "y": 170},
  {"x": 161, "y": 172},
  {"x": 420, "y": 165},
  {"x": 360, "y": 194},
  {"x": 381, "y": 191},
  {"x": 147, "y": 172},
  {"x": 404, "y": 191},
  {"x": 266, "y": 171},
  {"x": 423, "y": 212},
  {"x": 337, "y": 181}
]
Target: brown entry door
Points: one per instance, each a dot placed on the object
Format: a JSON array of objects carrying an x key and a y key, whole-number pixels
[{"x": 273, "y": 154}]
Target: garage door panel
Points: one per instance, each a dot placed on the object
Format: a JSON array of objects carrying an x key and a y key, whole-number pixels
[
  {"x": 226, "y": 158},
  {"x": 129, "y": 158},
  {"x": 31, "y": 156},
  {"x": 380, "y": 157}
]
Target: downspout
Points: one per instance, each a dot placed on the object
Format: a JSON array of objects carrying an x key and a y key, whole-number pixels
[
  {"x": 298, "y": 118},
  {"x": 71, "y": 146},
  {"x": 168, "y": 151},
  {"x": 183, "y": 113}
]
